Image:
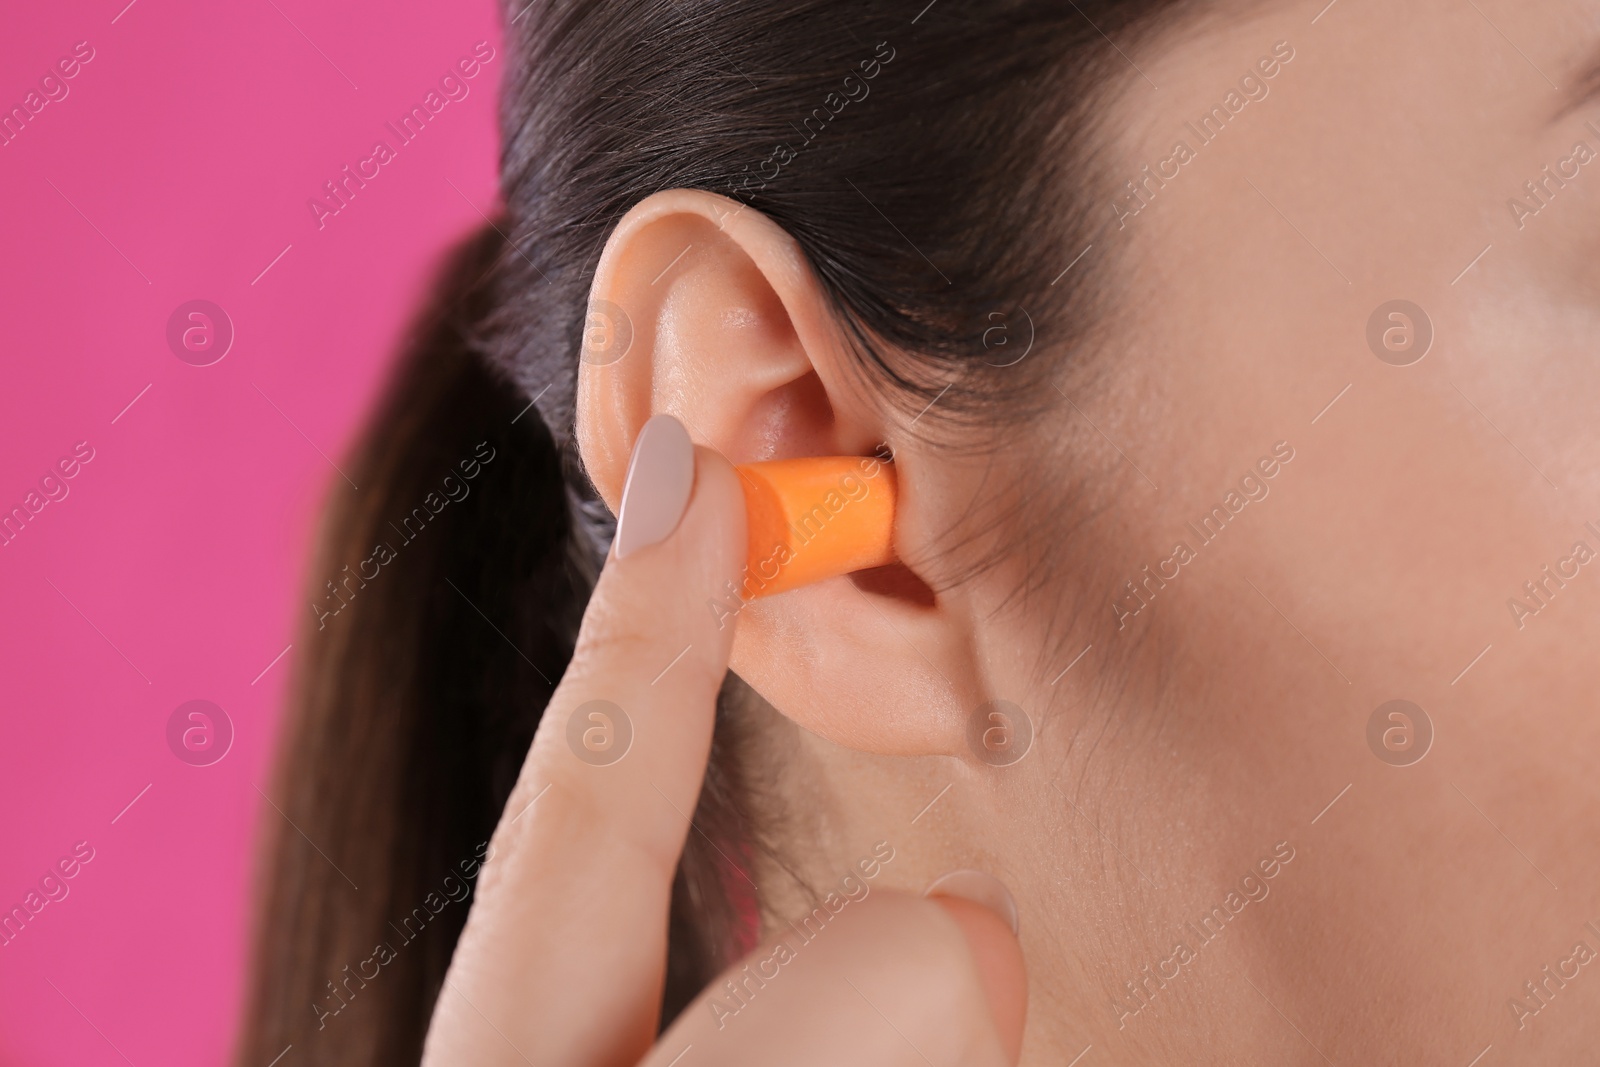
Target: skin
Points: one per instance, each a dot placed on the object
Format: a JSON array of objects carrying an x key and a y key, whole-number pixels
[{"x": 1225, "y": 725}]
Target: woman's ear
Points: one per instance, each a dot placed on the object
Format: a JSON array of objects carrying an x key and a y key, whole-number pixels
[{"x": 707, "y": 310}]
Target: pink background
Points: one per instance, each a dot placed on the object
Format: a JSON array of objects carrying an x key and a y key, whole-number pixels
[{"x": 191, "y": 142}]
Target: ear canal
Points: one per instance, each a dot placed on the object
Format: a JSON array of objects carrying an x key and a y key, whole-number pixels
[{"x": 816, "y": 518}]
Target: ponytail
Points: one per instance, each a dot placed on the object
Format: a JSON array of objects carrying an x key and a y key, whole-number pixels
[{"x": 411, "y": 710}]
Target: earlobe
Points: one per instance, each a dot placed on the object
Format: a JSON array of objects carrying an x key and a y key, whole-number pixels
[{"x": 729, "y": 330}]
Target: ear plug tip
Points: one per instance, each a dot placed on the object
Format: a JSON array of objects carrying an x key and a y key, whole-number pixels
[{"x": 816, "y": 517}]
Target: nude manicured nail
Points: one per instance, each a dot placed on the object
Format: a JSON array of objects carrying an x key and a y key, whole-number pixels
[
  {"x": 980, "y": 888},
  {"x": 660, "y": 479}
]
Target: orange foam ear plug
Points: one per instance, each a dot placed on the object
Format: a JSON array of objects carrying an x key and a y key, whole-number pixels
[{"x": 816, "y": 518}]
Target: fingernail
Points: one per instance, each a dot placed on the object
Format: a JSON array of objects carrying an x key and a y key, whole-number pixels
[
  {"x": 980, "y": 888},
  {"x": 660, "y": 479}
]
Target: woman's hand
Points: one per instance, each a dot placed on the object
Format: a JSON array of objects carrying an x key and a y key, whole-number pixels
[{"x": 564, "y": 953}]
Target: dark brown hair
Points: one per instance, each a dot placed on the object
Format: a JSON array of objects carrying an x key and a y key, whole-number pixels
[{"x": 932, "y": 165}]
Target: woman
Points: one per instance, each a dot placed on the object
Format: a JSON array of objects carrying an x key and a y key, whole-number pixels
[{"x": 1233, "y": 363}]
